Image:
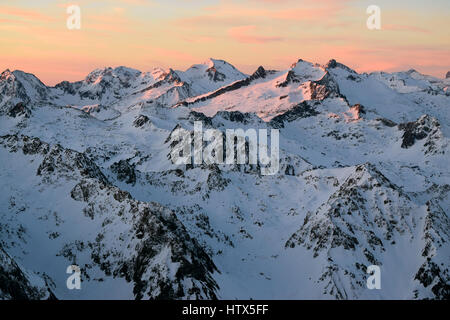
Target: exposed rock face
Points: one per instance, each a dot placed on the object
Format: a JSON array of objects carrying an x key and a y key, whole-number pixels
[
  {"x": 216, "y": 181},
  {"x": 141, "y": 121},
  {"x": 357, "y": 111},
  {"x": 434, "y": 273},
  {"x": 20, "y": 87},
  {"x": 387, "y": 122},
  {"x": 259, "y": 73},
  {"x": 349, "y": 202},
  {"x": 198, "y": 116},
  {"x": 291, "y": 77},
  {"x": 357, "y": 221},
  {"x": 125, "y": 171},
  {"x": 447, "y": 75},
  {"x": 18, "y": 110},
  {"x": 215, "y": 75},
  {"x": 425, "y": 127},
  {"x": 67, "y": 87},
  {"x": 143, "y": 243},
  {"x": 15, "y": 283},
  {"x": 302, "y": 110},
  {"x": 332, "y": 64},
  {"x": 165, "y": 263},
  {"x": 68, "y": 163},
  {"x": 236, "y": 116},
  {"x": 324, "y": 88}
]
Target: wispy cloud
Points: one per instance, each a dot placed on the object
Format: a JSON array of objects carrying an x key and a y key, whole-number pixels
[
  {"x": 396, "y": 27},
  {"x": 246, "y": 34},
  {"x": 16, "y": 12}
]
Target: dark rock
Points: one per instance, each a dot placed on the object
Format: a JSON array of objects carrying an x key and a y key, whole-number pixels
[
  {"x": 332, "y": 64},
  {"x": 141, "y": 121},
  {"x": 291, "y": 77},
  {"x": 387, "y": 122},
  {"x": 198, "y": 116},
  {"x": 15, "y": 284},
  {"x": 18, "y": 110},
  {"x": 290, "y": 171},
  {"x": 125, "y": 171},
  {"x": 301, "y": 110},
  {"x": 215, "y": 75},
  {"x": 60, "y": 162},
  {"x": 359, "y": 108},
  {"x": 69, "y": 88},
  {"x": 216, "y": 181},
  {"x": 235, "y": 116},
  {"x": 259, "y": 73},
  {"x": 417, "y": 130}
]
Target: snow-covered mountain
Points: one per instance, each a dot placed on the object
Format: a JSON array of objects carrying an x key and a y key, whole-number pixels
[{"x": 87, "y": 179}]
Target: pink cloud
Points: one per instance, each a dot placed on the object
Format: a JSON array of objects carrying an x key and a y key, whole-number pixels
[
  {"x": 199, "y": 39},
  {"x": 312, "y": 13},
  {"x": 24, "y": 13},
  {"x": 245, "y": 34},
  {"x": 393, "y": 27}
]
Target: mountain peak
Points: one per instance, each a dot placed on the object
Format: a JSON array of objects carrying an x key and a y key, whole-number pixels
[
  {"x": 447, "y": 76},
  {"x": 211, "y": 62},
  {"x": 210, "y": 75},
  {"x": 293, "y": 65},
  {"x": 96, "y": 73},
  {"x": 5, "y": 74},
  {"x": 120, "y": 72},
  {"x": 259, "y": 73},
  {"x": 333, "y": 64},
  {"x": 126, "y": 70},
  {"x": 411, "y": 71}
]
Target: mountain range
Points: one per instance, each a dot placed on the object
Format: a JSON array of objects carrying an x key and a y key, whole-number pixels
[{"x": 87, "y": 180}]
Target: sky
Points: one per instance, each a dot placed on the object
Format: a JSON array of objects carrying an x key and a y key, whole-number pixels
[{"x": 144, "y": 34}]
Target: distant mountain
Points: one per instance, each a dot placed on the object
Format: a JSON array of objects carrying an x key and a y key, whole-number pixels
[{"x": 87, "y": 179}]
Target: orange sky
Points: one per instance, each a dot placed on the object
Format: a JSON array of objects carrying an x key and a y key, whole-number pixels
[{"x": 247, "y": 33}]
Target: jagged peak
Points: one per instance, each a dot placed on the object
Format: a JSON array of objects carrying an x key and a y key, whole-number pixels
[
  {"x": 333, "y": 64},
  {"x": 171, "y": 75},
  {"x": 6, "y": 72},
  {"x": 214, "y": 65},
  {"x": 301, "y": 62},
  {"x": 158, "y": 71},
  {"x": 211, "y": 62},
  {"x": 293, "y": 65},
  {"x": 411, "y": 71},
  {"x": 6, "y": 75},
  {"x": 259, "y": 73},
  {"x": 97, "y": 73},
  {"x": 117, "y": 71},
  {"x": 424, "y": 127},
  {"x": 24, "y": 77}
]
